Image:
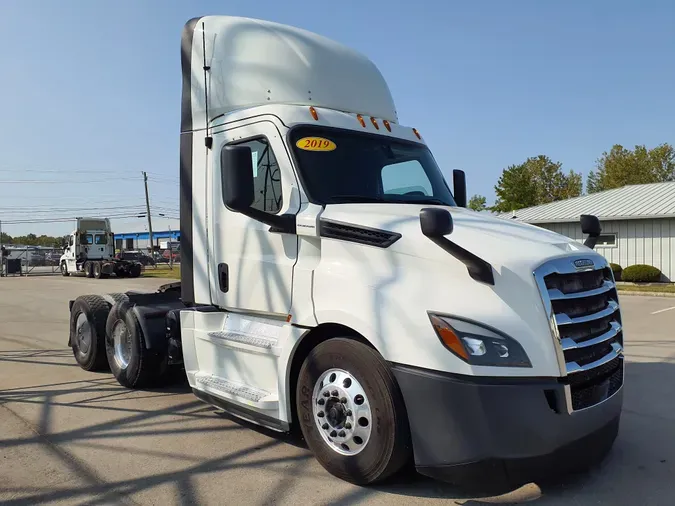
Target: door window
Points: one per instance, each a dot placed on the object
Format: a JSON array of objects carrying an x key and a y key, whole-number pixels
[{"x": 267, "y": 194}]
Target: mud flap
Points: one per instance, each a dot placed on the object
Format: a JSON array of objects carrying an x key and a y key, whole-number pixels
[{"x": 70, "y": 310}]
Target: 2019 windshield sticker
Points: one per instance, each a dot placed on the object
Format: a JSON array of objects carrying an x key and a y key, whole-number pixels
[{"x": 316, "y": 144}]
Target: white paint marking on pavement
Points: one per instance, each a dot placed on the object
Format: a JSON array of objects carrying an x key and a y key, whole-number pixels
[{"x": 662, "y": 310}]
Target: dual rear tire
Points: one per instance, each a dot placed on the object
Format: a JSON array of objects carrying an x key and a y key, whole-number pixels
[
  {"x": 106, "y": 334},
  {"x": 131, "y": 362}
]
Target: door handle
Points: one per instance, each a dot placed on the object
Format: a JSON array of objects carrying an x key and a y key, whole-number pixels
[{"x": 223, "y": 277}]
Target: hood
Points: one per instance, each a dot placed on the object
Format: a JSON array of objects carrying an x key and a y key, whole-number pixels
[{"x": 501, "y": 242}]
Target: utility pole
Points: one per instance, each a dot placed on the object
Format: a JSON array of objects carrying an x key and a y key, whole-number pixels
[{"x": 147, "y": 208}]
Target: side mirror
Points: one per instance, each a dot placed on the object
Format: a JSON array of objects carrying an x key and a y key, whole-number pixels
[
  {"x": 590, "y": 225},
  {"x": 237, "y": 166},
  {"x": 436, "y": 222},
  {"x": 459, "y": 187}
]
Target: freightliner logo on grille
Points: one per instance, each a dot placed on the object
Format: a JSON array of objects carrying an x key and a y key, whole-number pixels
[{"x": 584, "y": 263}]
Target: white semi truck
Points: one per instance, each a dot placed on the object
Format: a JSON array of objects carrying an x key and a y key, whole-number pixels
[
  {"x": 332, "y": 283},
  {"x": 91, "y": 251}
]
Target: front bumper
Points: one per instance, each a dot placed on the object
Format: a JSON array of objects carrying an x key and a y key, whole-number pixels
[{"x": 501, "y": 429}]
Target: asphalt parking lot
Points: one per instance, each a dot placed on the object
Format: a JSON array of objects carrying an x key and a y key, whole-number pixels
[{"x": 72, "y": 437}]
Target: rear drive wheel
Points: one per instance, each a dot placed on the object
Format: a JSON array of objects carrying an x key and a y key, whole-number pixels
[
  {"x": 132, "y": 364},
  {"x": 351, "y": 412},
  {"x": 87, "y": 331},
  {"x": 88, "y": 269},
  {"x": 135, "y": 270},
  {"x": 97, "y": 270},
  {"x": 119, "y": 271},
  {"x": 64, "y": 269}
]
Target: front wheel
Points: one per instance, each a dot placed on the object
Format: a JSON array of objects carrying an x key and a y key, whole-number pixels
[{"x": 351, "y": 412}]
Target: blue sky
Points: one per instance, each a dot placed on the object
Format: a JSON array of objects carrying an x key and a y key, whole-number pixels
[{"x": 90, "y": 91}]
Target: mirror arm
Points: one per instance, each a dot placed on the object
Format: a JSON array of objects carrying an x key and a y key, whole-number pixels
[
  {"x": 284, "y": 223},
  {"x": 479, "y": 269},
  {"x": 590, "y": 241}
]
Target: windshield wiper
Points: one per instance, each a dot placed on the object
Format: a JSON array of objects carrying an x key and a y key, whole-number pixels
[
  {"x": 359, "y": 198},
  {"x": 429, "y": 200},
  {"x": 396, "y": 200}
]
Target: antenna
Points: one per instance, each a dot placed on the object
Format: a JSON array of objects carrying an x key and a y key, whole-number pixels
[{"x": 208, "y": 141}]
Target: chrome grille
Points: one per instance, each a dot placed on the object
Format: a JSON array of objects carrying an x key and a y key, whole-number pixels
[{"x": 585, "y": 319}]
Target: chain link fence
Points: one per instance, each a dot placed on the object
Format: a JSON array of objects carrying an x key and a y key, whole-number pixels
[{"x": 27, "y": 261}]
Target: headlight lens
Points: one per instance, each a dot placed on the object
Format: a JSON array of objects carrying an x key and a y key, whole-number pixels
[{"x": 477, "y": 344}]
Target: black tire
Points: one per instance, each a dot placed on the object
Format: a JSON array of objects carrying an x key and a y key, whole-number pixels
[
  {"x": 135, "y": 270},
  {"x": 114, "y": 298},
  {"x": 97, "y": 270},
  {"x": 90, "y": 356},
  {"x": 88, "y": 269},
  {"x": 64, "y": 269},
  {"x": 389, "y": 449},
  {"x": 144, "y": 367}
]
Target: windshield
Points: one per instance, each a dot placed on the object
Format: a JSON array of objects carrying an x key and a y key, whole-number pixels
[{"x": 341, "y": 166}]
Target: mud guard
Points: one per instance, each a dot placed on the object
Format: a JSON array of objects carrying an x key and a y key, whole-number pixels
[{"x": 151, "y": 310}]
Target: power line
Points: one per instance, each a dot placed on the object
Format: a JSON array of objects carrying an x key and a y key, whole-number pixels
[
  {"x": 64, "y": 209},
  {"x": 66, "y": 172},
  {"x": 66, "y": 219},
  {"x": 56, "y": 181}
]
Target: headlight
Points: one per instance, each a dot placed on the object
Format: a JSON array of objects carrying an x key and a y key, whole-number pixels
[{"x": 477, "y": 344}]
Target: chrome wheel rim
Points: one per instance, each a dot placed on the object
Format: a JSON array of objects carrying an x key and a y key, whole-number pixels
[
  {"x": 83, "y": 333},
  {"x": 121, "y": 344},
  {"x": 342, "y": 412}
]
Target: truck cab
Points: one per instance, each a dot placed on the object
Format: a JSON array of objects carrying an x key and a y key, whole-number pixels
[
  {"x": 90, "y": 250},
  {"x": 333, "y": 282}
]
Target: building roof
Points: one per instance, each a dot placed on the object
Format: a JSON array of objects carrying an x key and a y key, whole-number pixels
[
  {"x": 632, "y": 202},
  {"x": 156, "y": 234}
]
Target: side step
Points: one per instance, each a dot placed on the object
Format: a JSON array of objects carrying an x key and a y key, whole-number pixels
[
  {"x": 266, "y": 343},
  {"x": 231, "y": 390},
  {"x": 245, "y": 333}
]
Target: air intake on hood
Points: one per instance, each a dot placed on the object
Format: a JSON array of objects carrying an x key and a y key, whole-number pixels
[{"x": 353, "y": 233}]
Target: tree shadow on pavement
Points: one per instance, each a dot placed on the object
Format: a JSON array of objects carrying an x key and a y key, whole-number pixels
[{"x": 188, "y": 438}]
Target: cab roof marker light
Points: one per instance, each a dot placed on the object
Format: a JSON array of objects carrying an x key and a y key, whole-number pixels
[
  {"x": 361, "y": 120},
  {"x": 374, "y": 122},
  {"x": 417, "y": 133},
  {"x": 313, "y": 112},
  {"x": 386, "y": 125}
]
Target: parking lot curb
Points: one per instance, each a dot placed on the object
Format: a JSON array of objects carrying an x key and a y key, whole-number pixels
[{"x": 646, "y": 294}]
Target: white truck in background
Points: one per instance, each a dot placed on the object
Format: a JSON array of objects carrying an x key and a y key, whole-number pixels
[
  {"x": 334, "y": 285},
  {"x": 91, "y": 251}
]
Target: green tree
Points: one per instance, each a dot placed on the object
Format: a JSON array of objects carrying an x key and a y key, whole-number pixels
[
  {"x": 33, "y": 240},
  {"x": 621, "y": 167},
  {"x": 538, "y": 180},
  {"x": 477, "y": 203}
]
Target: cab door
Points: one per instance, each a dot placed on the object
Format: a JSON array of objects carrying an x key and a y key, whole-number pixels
[{"x": 252, "y": 267}]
